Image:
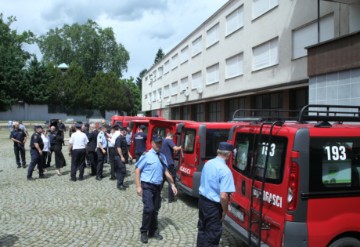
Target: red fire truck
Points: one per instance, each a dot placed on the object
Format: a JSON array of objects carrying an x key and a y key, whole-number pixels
[
  {"x": 298, "y": 183},
  {"x": 199, "y": 142},
  {"x": 124, "y": 121}
]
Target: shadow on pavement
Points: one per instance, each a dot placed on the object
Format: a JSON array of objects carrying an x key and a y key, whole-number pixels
[
  {"x": 8, "y": 240},
  {"x": 188, "y": 200}
]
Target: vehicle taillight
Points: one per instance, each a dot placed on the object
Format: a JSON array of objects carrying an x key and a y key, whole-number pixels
[{"x": 293, "y": 186}]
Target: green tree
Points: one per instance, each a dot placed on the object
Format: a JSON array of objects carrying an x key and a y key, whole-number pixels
[
  {"x": 133, "y": 92},
  {"x": 12, "y": 62},
  {"x": 139, "y": 78},
  {"x": 35, "y": 88},
  {"x": 91, "y": 47},
  {"x": 159, "y": 55}
]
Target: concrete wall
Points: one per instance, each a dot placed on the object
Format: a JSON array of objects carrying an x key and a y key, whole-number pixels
[{"x": 26, "y": 112}]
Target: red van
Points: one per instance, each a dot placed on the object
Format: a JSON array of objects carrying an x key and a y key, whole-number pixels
[
  {"x": 124, "y": 121},
  {"x": 298, "y": 183},
  {"x": 200, "y": 142}
]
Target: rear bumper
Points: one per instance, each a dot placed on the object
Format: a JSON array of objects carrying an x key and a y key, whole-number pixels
[
  {"x": 236, "y": 229},
  {"x": 296, "y": 234}
]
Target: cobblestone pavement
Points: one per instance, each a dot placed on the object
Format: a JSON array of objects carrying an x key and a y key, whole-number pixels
[{"x": 56, "y": 212}]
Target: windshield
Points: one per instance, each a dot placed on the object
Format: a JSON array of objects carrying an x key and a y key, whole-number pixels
[{"x": 213, "y": 137}]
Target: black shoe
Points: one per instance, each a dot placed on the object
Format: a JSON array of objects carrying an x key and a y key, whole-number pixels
[
  {"x": 30, "y": 179},
  {"x": 42, "y": 176},
  {"x": 18, "y": 166},
  {"x": 126, "y": 186},
  {"x": 121, "y": 187},
  {"x": 81, "y": 178},
  {"x": 24, "y": 166},
  {"x": 102, "y": 176},
  {"x": 73, "y": 179},
  {"x": 98, "y": 178},
  {"x": 156, "y": 235},
  {"x": 112, "y": 178},
  {"x": 144, "y": 238}
]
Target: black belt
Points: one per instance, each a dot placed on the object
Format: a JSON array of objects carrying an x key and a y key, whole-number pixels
[{"x": 208, "y": 200}]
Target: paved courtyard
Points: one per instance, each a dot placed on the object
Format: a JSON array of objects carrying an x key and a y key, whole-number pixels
[{"x": 56, "y": 212}]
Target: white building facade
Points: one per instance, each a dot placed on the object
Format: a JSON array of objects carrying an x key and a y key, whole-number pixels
[{"x": 249, "y": 54}]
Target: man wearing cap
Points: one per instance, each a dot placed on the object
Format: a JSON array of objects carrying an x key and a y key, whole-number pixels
[
  {"x": 216, "y": 184},
  {"x": 149, "y": 175},
  {"x": 140, "y": 142},
  {"x": 36, "y": 146},
  {"x": 122, "y": 154},
  {"x": 77, "y": 150},
  {"x": 18, "y": 136},
  {"x": 168, "y": 148}
]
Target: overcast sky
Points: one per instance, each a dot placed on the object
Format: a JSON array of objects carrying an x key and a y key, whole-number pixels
[{"x": 142, "y": 26}]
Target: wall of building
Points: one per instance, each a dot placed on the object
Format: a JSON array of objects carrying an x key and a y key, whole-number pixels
[{"x": 289, "y": 72}]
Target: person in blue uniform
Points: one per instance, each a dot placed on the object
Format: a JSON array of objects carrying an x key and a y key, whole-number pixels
[
  {"x": 36, "y": 147},
  {"x": 216, "y": 184},
  {"x": 101, "y": 148},
  {"x": 18, "y": 136},
  {"x": 122, "y": 154},
  {"x": 168, "y": 148},
  {"x": 140, "y": 142},
  {"x": 149, "y": 175}
]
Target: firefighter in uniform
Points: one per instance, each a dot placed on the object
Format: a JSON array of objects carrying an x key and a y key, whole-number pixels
[
  {"x": 36, "y": 146},
  {"x": 122, "y": 154},
  {"x": 216, "y": 184},
  {"x": 149, "y": 175},
  {"x": 18, "y": 136},
  {"x": 101, "y": 151},
  {"x": 140, "y": 142}
]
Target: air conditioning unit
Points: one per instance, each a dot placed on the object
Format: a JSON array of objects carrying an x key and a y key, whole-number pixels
[
  {"x": 187, "y": 93},
  {"x": 199, "y": 90},
  {"x": 149, "y": 102},
  {"x": 159, "y": 100}
]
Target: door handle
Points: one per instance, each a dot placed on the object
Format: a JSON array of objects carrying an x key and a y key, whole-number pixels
[{"x": 243, "y": 187}]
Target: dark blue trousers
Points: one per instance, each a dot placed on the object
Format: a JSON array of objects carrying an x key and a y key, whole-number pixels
[
  {"x": 77, "y": 162},
  {"x": 120, "y": 170},
  {"x": 209, "y": 224},
  {"x": 152, "y": 203},
  {"x": 19, "y": 151},
  {"x": 100, "y": 163},
  {"x": 36, "y": 159}
]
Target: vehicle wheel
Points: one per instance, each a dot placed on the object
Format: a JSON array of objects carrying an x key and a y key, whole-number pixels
[{"x": 346, "y": 242}]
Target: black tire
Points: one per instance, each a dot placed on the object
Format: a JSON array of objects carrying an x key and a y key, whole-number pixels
[{"x": 346, "y": 242}]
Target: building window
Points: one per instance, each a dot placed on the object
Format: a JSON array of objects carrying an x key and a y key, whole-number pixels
[
  {"x": 166, "y": 91},
  {"x": 234, "y": 66},
  {"x": 184, "y": 55},
  {"x": 174, "y": 88},
  {"x": 235, "y": 20},
  {"x": 234, "y": 105},
  {"x": 260, "y": 7},
  {"x": 215, "y": 111},
  {"x": 159, "y": 96},
  {"x": 199, "y": 113},
  {"x": 166, "y": 67},
  {"x": 154, "y": 96},
  {"x": 150, "y": 97},
  {"x": 212, "y": 74},
  {"x": 196, "y": 46},
  {"x": 196, "y": 80},
  {"x": 271, "y": 101},
  {"x": 184, "y": 85},
  {"x": 174, "y": 61},
  {"x": 175, "y": 113},
  {"x": 160, "y": 71},
  {"x": 186, "y": 113},
  {"x": 308, "y": 35},
  {"x": 212, "y": 36},
  {"x": 266, "y": 55}
]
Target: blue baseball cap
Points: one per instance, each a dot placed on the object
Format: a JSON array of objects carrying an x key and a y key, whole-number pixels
[
  {"x": 224, "y": 146},
  {"x": 157, "y": 139}
]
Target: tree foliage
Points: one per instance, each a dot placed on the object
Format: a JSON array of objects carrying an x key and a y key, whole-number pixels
[
  {"x": 12, "y": 62},
  {"x": 140, "y": 77},
  {"x": 88, "y": 45},
  {"x": 159, "y": 55}
]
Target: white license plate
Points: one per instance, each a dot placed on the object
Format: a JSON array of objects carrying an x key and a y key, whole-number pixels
[{"x": 237, "y": 213}]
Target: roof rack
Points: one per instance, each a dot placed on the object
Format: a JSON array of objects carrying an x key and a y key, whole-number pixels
[
  {"x": 258, "y": 115},
  {"x": 336, "y": 113}
]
